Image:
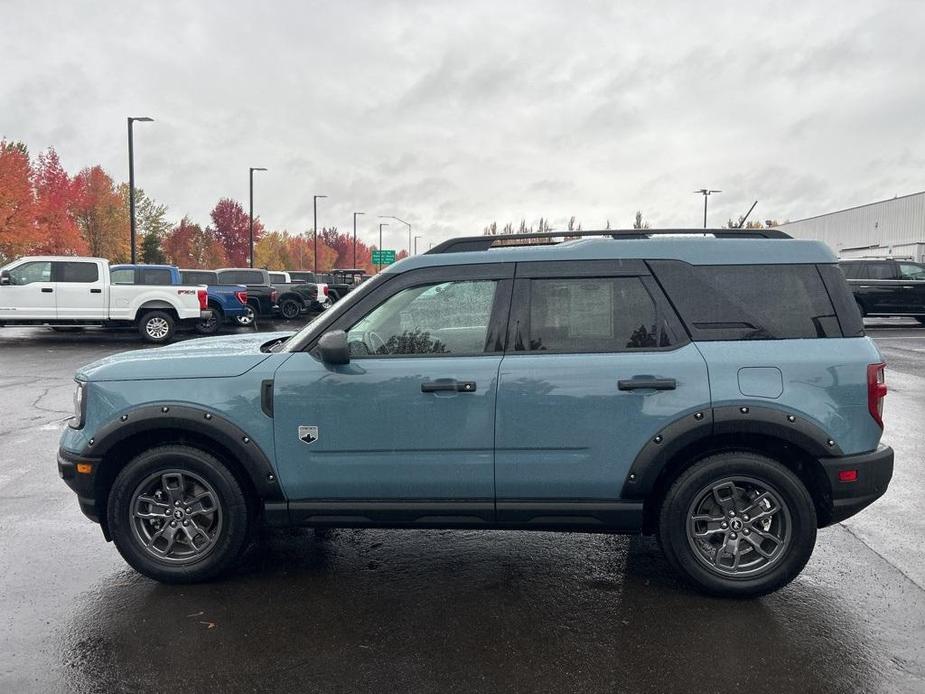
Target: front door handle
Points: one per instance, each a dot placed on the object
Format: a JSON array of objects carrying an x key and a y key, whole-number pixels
[
  {"x": 448, "y": 384},
  {"x": 647, "y": 383},
  {"x": 47, "y": 290}
]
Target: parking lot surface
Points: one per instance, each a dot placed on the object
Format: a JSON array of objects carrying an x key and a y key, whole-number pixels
[{"x": 412, "y": 610}]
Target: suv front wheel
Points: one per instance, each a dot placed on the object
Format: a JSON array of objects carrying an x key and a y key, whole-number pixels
[
  {"x": 738, "y": 525},
  {"x": 177, "y": 515}
]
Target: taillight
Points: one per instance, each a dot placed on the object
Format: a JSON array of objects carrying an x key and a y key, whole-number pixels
[
  {"x": 242, "y": 297},
  {"x": 203, "y": 299},
  {"x": 876, "y": 391},
  {"x": 274, "y": 296},
  {"x": 324, "y": 289}
]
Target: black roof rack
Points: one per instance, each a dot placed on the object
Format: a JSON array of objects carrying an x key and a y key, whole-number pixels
[{"x": 483, "y": 243}]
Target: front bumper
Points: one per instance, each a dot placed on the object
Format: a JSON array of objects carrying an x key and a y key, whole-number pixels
[
  {"x": 82, "y": 483},
  {"x": 874, "y": 471}
]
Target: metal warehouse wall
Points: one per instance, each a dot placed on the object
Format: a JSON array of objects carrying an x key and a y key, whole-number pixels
[{"x": 876, "y": 226}]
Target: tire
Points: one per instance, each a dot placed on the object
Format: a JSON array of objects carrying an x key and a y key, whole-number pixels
[
  {"x": 786, "y": 536},
  {"x": 211, "y": 326},
  {"x": 179, "y": 555},
  {"x": 290, "y": 309},
  {"x": 249, "y": 317},
  {"x": 157, "y": 327}
]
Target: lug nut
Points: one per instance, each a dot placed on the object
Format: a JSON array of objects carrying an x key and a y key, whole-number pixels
[
  {"x": 733, "y": 536},
  {"x": 173, "y": 524},
  {"x": 732, "y": 514},
  {"x": 185, "y": 523},
  {"x": 724, "y": 524},
  {"x": 745, "y": 518},
  {"x": 176, "y": 503},
  {"x": 745, "y": 531},
  {"x": 189, "y": 511}
]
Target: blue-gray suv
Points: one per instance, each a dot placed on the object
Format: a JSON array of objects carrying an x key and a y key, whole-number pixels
[{"x": 714, "y": 389}]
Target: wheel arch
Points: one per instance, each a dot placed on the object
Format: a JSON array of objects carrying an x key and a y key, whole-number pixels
[
  {"x": 150, "y": 426},
  {"x": 156, "y": 305},
  {"x": 797, "y": 444}
]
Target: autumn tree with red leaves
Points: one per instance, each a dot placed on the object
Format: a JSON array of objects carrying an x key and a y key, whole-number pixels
[
  {"x": 55, "y": 197},
  {"x": 188, "y": 245},
  {"x": 18, "y": 233},
  {"x": 231, "y": 225}
]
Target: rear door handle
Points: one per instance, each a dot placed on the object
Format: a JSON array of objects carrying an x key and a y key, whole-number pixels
[
  {"x": 448, "y": 385},
  {"x": 96, "y": 291},
  {"x": 647, "y": 383},
  {"x": 47, "y": 290}
]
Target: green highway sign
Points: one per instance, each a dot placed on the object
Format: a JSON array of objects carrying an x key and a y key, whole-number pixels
[{"x": 383, "y": 257}]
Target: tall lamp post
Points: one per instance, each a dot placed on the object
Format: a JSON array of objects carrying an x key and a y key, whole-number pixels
[
  {"x": 403, "y": 222},
  {"x": 131, "y": 178},
  {"x": 252, "y": 170},
  {"x": 355, "y": 215},
  {"x": 705, "y": 192},
  {"x": 379, "y": 264},
  {"x": 315, "y": 222},
  {"x": 416, "y": 243}
]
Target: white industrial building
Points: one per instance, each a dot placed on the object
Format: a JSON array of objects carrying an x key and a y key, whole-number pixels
[{"x": 888, "y": 229}]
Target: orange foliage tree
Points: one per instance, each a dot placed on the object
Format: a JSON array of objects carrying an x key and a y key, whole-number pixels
[
  {"x": 18, "y": 233},
  {"x": 101, "y": 215},
  {"x": 55, "y": 195}
]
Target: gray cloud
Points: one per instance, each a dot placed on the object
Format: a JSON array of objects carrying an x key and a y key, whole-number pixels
[{"x": 451, "y": 115}]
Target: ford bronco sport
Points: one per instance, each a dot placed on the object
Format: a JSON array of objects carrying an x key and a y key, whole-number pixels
[{"x": 716, "y": 390}]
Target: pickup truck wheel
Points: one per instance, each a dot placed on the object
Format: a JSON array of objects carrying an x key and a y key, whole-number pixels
[
  {"x": 177, "y": 515},
  {"x": 157, "y": 327},
  {"x": 211, "y": 326},
  {"x": 248, "y": 318},
  {"x": 738, "y": 525},
  {"x": 290, "y": 309}
]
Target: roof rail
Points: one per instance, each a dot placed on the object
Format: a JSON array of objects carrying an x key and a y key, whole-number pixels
[{"x": 485, "y": 242}]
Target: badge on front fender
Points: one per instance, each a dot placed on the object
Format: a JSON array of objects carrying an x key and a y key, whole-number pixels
[{"x": 308, "y": 434}]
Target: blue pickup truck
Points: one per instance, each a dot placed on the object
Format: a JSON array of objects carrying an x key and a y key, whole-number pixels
[{"x": 225, "y": 300}]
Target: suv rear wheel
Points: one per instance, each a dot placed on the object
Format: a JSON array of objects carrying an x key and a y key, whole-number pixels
[
  {"x": 177, "y": 515},
  {"x": 738, "y": 525}
]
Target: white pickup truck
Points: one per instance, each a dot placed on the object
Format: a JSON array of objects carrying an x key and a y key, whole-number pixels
[{"x": 66, "y": 293}]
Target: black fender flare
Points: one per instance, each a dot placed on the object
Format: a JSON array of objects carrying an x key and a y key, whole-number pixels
[
  {"x": 791, "y": 427},
  {"x": 175, "y": 417}
]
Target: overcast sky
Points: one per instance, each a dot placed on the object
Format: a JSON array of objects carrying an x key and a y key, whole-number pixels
[{"x": 454, "y": 114}]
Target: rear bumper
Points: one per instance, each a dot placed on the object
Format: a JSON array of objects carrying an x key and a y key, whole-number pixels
[
  {"x": 82, "y": 483},
  {"x": 874, "y": 471}
]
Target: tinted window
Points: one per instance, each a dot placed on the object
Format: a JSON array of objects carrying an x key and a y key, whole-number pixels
[
  {"x": 911, "y": 271},
  {"x": 27, "y": 273},
  {"x": 242, "y": 277},
  {"x": 277, "y": 278},
  {"x": 852, "y": 270},
  {"x": 157, "y": 276},
  {"x": 446, "y": 318},
  {"x": 592, "y": 314},
  {"x": 749, "y": 302},
  {"x": 189, "y": 277},
  {"x": 122, "y": 276},
  {"x": 76, "y": 272},
  {"x": 880, "y": 271}
]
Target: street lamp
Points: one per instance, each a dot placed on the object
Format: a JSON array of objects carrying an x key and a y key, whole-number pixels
[
  {"x": 379, "y": 264},
  {"x": 416, "y": 243},
  {"x": 131, "y": 178},
  {"x": 315, "y": 222},
  {"x": 705, "y": 192},
  {"x": 355, "y": 214},
  {"x": 403, "y": 222},
  {"x": 252, "y": 170}
]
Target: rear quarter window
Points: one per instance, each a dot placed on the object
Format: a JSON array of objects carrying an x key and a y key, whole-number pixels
[{"x": 749, "y": 302}]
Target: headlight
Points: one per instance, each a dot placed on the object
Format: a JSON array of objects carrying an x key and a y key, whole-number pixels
[{"x": 77, "y": 421}]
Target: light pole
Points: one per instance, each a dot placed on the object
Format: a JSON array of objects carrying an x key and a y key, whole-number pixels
[
  {"x": 315, "y": 227},
  {"x": 379, "y": 264},
  {"x": 252, "y": 170},
  {"x": 705, "y": 192},
  {"x": 416, "y": 243},
  {"x": 355, "y": 214},
  {"x": 131, "y": 178},
  {"x": 403, "y": 222}
]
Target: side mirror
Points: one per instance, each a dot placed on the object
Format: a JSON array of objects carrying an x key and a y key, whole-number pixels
[
  {"x": 332, "y": 347},
  {"x": 4, "y": 277}
]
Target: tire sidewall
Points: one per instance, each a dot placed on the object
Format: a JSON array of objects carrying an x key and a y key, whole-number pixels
[
  {"x": 212, "y": 327},
  {"x": 235, "y": 520},
  {"x": 249, "y": 318},
  {"x": 143, "y": 327},
  {"x": 673, "y": 523},
  {"x": 290, "y": 302}
]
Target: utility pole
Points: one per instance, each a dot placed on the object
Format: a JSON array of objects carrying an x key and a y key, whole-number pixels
[
  {"x": 315, "y": 227},
  {"x": 355, "y": 237},
  {"x": 379, "y": 264},
  {"x": 705, "y": 192},
  {"x": 131, "y": 179},
  {"x": 403, "y": 222},
  {"x": 252, "y": 170}
]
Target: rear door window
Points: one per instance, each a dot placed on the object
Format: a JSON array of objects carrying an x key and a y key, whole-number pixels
[
  {"x": 749, "y": 302},
  {"x": 242, "y": 277},
  {"x": 880, "y": 271},
  {"x": 155, "y": 276},
  {"x": 85, "y": 273},
  {"x": 197, "y": 278},
  {"x": 592, "y": 314},
  {"x": 122, "y": 276}
]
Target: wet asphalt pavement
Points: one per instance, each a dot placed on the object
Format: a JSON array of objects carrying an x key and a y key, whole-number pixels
[{"x": 429, "y": 611}]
